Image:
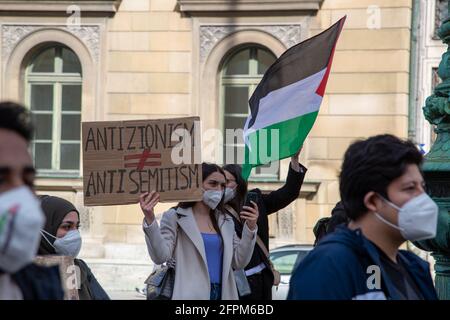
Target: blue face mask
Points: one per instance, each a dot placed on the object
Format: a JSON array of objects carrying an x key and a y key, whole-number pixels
[{"x": 69, "y": 245}]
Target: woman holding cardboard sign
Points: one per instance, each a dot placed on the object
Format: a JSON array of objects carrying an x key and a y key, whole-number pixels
[{"x": 201, "y": 240}]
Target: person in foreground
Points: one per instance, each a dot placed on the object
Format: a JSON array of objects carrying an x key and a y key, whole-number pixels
[
  {"x": 382, "y": 191},
  {"x": 21, "y": 217}
]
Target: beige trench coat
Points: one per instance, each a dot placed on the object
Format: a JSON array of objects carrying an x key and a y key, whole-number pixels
[{"x": 191, "y": 270}]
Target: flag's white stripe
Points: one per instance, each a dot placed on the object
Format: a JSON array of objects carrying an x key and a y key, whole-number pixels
[{"x": 288, "y": 102}]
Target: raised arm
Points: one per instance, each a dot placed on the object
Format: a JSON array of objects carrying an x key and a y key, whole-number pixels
[
  {"x": 278, "y": 199},
  {"x": 160, "y": 240}
]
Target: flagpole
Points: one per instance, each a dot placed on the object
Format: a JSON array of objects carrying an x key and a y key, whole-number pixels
[{"x": 437, "y": 168}]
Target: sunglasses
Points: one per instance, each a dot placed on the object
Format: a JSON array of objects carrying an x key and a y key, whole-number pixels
[{"x": 28, "y": 174}]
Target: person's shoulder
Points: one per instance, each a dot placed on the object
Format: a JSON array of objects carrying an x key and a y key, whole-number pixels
[
  {"x": 223, "y": 214},
  {"x": 171, "y": 216},
  {"x": 333, "y": 251},
  {"x": 81, "y": 263},
  {"x": 411, "y": 257},
  {"x": 334, "y": 264},
  {"x": 171, "y": 213},
  {"x": 173, "y": 210},
  {"x": 322, "y": 265},
  {"x": 342, "y": 246},
  {"x": 39, "y": 282},
  {"x": 40, "y": 270}
]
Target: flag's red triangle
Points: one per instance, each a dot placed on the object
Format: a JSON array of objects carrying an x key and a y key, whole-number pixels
[{"x": 321, "y": 89}]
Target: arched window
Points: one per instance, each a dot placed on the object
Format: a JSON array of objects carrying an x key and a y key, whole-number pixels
[
  {"x": 53, "y": 90},
  {"x": 241, "y": 74}
]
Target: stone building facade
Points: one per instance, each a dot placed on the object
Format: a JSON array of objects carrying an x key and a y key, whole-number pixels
[{"x": 72, "y": 61}]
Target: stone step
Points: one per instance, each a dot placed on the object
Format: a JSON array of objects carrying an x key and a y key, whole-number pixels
[
  {"x": 97, "y": 249},
  {"x": 120, "y": 267},
  {"x": 126, "y": 251},
  {"x": 120, "y": 275},
  {"x": 92, "y": 248}
]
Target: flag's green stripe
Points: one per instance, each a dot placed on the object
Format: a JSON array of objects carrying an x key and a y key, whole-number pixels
[{"x": 292, "y": 134}]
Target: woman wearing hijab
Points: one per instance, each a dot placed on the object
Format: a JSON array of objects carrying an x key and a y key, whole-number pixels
[{"x": 60, "y": 236}]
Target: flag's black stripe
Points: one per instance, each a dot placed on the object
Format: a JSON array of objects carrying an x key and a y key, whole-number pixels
[{"x": 297, "y": 63}]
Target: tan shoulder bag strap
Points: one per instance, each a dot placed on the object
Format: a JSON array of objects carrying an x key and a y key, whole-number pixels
[
  {"x": 262, "y": 246},
  {"x": 232, "y": 211},
  {"x": 276, "y": 274}
]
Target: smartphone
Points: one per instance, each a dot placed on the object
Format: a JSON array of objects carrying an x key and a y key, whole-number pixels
[{"x": 251, "y": 196}]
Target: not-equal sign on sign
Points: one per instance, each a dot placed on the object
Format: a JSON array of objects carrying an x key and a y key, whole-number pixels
[{"x": 142, "y": 157}]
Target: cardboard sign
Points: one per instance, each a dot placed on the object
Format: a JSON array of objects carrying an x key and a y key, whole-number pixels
[
  {"x": 69, "y": 272},
  {"x": 123, "y": 159}
]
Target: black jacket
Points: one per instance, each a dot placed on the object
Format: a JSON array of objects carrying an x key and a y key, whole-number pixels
[
  {"x": 90, "y": 288},
  {"x": 270, "y": 203},
  {"x": 39, "y": 282},
  {"x": 327, "y": 225}
]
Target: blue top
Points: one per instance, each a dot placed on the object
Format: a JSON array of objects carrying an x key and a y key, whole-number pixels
[
  {"x": 214, "y": 256},
  {"x": 337, "y": 269}
]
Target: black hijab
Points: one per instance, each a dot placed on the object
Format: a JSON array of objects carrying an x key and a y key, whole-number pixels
[{"x": 55, "y": 209}]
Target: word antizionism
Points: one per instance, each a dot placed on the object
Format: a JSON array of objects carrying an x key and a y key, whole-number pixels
[{"x": 134, "y": 137}]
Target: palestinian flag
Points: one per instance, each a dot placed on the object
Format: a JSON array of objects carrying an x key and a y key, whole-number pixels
[{"x": 288, "y": 99}]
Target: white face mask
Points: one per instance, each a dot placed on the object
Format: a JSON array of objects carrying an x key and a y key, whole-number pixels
[
  {"x": 21, "y": 218},
  {"x": 69, "y": 245},
  {"x": 417, "y": 219},
  {"x": 229, "y": 194},
  {"x": 212, "y": 198}
]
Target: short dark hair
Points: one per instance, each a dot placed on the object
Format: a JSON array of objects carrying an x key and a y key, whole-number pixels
[
  {"x": 371, "y": 165},
  {"x": 328, "y": 225},
  {"x": 16, "y": 117}
]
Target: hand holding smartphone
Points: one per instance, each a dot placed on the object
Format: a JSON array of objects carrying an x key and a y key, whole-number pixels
[
  {"x": 251, "y": 196},
  {"x": 251, "y": 213}
]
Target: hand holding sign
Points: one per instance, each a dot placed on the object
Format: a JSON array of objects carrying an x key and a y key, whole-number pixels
[{"x": 148, "y": 201}]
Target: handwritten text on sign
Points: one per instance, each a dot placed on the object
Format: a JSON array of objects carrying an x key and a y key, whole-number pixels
[{"x": 122, "y": 159}]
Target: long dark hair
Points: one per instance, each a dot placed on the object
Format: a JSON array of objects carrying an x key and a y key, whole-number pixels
[
  {"x": 241, "y": 188},
  {"x": 207, "y": 170}
]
